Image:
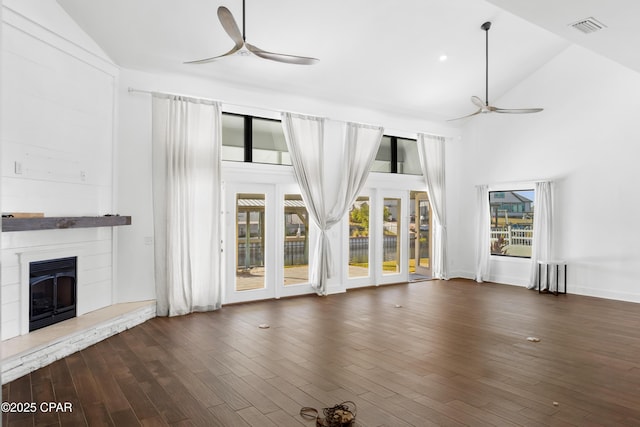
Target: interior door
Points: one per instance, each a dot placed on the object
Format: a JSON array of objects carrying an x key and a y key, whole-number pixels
[{"x": 250, "y": 236}]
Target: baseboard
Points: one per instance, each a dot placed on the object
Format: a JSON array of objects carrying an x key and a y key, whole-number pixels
[
  {"x": 603, "y": 293},
  {"x": 22, "y": 363}
]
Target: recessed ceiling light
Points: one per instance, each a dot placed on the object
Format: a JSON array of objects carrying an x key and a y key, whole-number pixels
[{"x": 443, "y": 58}]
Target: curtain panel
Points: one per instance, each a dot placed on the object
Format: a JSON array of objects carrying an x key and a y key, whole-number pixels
[
  {"x": 483, "y": 236},
  {"x": 542, "y": 229},
  {"x": 432, "y": 162},
  {"x": 327, "y": 204},
  {"x": 186, "y": 137}
]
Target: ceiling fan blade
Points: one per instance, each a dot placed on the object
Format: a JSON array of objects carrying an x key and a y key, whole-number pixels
[
  {"x": 477, "y": 101},
  {"x": 281, "y": 57},
  {"x": 204, "y": 61},
  {"x": 517, "y": 110},
  {"x": 464, "y": 117},
  {"x": 230, "y": 26}
]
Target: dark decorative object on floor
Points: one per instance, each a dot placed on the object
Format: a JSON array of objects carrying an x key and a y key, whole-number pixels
[{"x": 340, "y": 415}]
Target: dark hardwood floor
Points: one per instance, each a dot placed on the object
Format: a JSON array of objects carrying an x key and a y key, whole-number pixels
[{"x": 456, "y": 353}]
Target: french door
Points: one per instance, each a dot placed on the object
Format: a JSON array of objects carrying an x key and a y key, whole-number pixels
[
  {"x": 391, "y": 236},
  {"x": 250, "y": 239},
  {"x": 267, "y": 242}
]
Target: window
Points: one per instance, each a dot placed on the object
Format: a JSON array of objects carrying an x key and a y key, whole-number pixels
[
  {"x": 253, "y": 139},
  {"x": 511, "y": 222},
  {"x": 267, "y": 143},
  {"x": 232, "y": 137},
  {"x": 397, "y": 155},
  {"x": 408, "y": 159},
  {"x": 382, "y": 162}
]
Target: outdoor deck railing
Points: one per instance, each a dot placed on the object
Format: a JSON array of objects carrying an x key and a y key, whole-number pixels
[
  {"x": 512, "y": 235},
  {"x": 295, "y": 252}
]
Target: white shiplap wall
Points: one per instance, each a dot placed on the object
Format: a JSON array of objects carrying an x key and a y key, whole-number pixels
[{"x": 58, "y": 103}]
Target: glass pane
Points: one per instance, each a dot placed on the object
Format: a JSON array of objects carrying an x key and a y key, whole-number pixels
[
  {"x": 359, "y": 238},
  {"x": 65, "y": 292},
  {"x": 391, "y": 236},
  {"x": 296, "y": 240},
  {"x": 423, "y": 234},
  {"x": 408, "y": 160},
  {"x": 382, "y": 162},
  {"x": 269, "y": 145},
  {"x": 42, "y": 302},
  {"x": 232, "y": 138},
  {"x": 250, "y": 234},
  {"x": 511, "y": 222}
]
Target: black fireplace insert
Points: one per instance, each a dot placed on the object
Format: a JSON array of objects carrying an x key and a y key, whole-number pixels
[{"x": 53, "y": 288}]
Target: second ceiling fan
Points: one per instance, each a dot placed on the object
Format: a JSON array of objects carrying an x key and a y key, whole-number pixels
[
  {"x": 242, "y": 47},
  {"x": 484, "y": 107}
]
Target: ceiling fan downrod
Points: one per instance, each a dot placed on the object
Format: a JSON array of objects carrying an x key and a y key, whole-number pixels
[
  {"x": 244, "y": 35},
  {"x": 486, "y": 26}
]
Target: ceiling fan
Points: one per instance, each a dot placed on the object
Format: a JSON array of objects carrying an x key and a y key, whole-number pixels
[
  {"x": 243, "y": 48},
  {"x": 484, "y": 107}
]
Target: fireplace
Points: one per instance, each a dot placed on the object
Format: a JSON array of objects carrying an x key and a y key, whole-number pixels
[{"x": 52, "y": 291}]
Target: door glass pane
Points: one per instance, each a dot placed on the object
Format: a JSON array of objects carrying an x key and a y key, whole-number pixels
[
  {"x": 359, "y": 238},
  {"x": 424, "y": 230},
  {"x": 296, "y": 240},
  {"x": 391, "y": 236},
  {"x": 250, "y": 234}
]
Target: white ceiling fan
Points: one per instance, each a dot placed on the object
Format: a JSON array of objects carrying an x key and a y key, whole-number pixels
[
  {"x": 241, "y": 47},
  {"x": 484, "y": 107}
]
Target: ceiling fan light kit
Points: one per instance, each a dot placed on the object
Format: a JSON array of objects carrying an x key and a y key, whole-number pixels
[
  {"x": 483, "y": 106},
  {"x": 243, "y": 48}
]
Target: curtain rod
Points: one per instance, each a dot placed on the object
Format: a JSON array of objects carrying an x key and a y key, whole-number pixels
[
  {"x": 131, "y": 90},
  {"x": 523, "y": 181},
  {"x": 149, "y": 92}
]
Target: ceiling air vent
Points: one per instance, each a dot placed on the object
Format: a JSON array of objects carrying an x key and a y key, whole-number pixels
[{"x": 588, "y": 25}]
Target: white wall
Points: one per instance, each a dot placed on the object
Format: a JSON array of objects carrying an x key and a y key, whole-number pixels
[
  {"x": 587, "y": 141},
  {"x": 57, "y": 150}
]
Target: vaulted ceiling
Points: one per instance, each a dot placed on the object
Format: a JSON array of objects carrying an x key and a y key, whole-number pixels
[{"x": 377, "y": 54}]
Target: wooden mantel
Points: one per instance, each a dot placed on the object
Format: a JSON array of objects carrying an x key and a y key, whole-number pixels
[{"x": 62, "y": 222}]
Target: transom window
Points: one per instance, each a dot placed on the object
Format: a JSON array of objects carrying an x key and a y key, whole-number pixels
[
  {"x": 397, "y": 155},
  {"x": 253, "y": 139}
]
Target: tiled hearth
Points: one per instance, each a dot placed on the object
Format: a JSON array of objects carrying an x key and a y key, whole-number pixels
[{"x": 26, "y": 353}]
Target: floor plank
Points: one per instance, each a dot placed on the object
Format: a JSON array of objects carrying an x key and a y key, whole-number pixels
[{"x": 455, "y": 353}]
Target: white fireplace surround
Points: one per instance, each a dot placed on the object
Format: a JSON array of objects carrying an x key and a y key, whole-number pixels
[{"x": 27, "y": 256}]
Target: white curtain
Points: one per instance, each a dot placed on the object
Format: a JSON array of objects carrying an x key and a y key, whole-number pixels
[
  {"x": 483, "y": 230},
  {"x": 542, "y": 228},
  {"x": 186, "y": 197},
  {"x": 431, "y": 153},
  {"x": 327, "y": 204}
]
